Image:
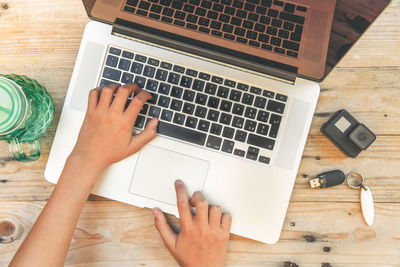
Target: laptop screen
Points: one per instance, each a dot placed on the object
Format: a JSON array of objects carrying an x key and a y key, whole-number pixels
[{"x": 302, "y": 37}]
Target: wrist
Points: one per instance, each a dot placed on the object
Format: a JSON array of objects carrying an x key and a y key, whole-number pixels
[{"x": 83, "y": 170}]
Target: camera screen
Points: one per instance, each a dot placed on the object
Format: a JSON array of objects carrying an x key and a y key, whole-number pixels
[{"x": 342, "y": 124}]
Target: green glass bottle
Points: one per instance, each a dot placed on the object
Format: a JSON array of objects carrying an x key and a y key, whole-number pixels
[{"x": 26, "y": 111}]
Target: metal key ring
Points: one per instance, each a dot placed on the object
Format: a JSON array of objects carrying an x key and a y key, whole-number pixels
[{"x": 358, "y": 178}]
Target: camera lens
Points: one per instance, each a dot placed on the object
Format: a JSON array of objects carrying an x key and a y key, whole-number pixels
[{"x": 362, "y": 136}]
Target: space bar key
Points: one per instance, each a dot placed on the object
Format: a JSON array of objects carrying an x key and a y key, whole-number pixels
[{"x": 181, "y": 133}]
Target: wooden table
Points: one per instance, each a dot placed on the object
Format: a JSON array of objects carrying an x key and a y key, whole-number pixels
[{"x": 41, "y": 38}]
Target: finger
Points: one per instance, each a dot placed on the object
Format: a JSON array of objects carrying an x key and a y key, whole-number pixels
[
  {"x": 183, "y": 204},
  {"x": 122, "y": 95},
  {"x": 148, "y": 134},
  {"x": 93, "y": 98},
  {"x": 106, "y": 94},
  {"x": 137, "y": 103},
  {"x": 215, "y": 216},
  {"x": 226, "y": 222},
  {"x": 201, "y": 205},
  {"x": 167, "y": 235}
]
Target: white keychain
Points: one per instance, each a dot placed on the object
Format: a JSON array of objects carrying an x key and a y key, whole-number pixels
[{"x": 355, "y": 180}]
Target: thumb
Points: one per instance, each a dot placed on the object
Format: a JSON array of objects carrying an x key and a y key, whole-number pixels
[
  {"x": 163, "y": 228},
  {"x": 140, "y": 140}
]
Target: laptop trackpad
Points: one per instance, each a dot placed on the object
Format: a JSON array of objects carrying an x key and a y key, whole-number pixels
[{"x": 158, "y": 168}]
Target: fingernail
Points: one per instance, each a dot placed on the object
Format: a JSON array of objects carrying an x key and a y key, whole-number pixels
[
  {"x": 154, "y": 212},
  {"x": 178, "y": 182}
]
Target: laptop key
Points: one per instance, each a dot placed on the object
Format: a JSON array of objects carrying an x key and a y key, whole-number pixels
[
  {"x": 230, "y": 83},
  {"x": 149, "y": 71},
  {"x": 176, "y": 92},
  {"x": 235, "y": 95},
  {"x": 252, "y": 153},
  {"x": 201, "y": 99},
  {"x": 263, "y": 159},
  {"x": 139, "y": 123},
  {"x": 275, "y": 106},
  {"x": 223, "y": 91},
  {"x": 211, "y": 88},
  {"x": 191, "y": 122},
  {"x": 152, "y": 85},
  {"x": 191, "y": 72},
  {"x": 275, "y": 121},
  {"x": 240, "y": 136},
  {"x": 216, "y": 129},
  {"x": 228, "y": 132},
  {"x": 214, "y": 142},
  {"x": 166, "y": 19},
  {"x": 262, "y": 129},
  {"x": 247, "y": 99},
  {"x": 163, "y": 101},
  {"x": 239, "y": 152},
  {"x": 104, "y": 83},
  {"x": 166, "y": 115},
  {"x": 141, "y": 81},
  {"x": 243, "y": 87},
  {"x": 140, "y": 58},
  {"x": 166, "y": 65},
  {"x": 260, "y": 102},
  {"x": 144, "y": 109},
  {"x": 164, "y": 88},
  {"x": 213, "y": 115},
  {"x": 225, "y": 119},
  {"x": 137, "y": 68},
  {"x": 237, "y": 122},
  {"x": 114, "y": 51},
  {"x": 250, "y": 125},
  {"x": 268, "y": 94},
  {"x": 200, "y": 112},
  {"x": 188, "y": 108},
  {"x": 127, "y": 77},
  {"x": 180, "y": 133},
  {"x": 176, "y": 105},
  {"x": 262, "y": 116},
  {"x": 198, "y": 85},
  {"x": 281, "y": 97},
  {"x": 225, "y": 106},
  {"x": 111, "y": 74},
  {"x": 186, "y": 82},
  {"x": 260, "y": 141},
  {"x": 153, "y": 99},
  {"x": 227, "y": 146},
  {"x": 217, "y": 79},
  {"x": 179, "y": 118},
  {"x": 204, "y": 76},
  {"x": 250, "y": 113},
  {"x": 203, "y": 125},
  {"x": 238, "y": 109},
  {"x": 188, "y": 95},
  {"x": 213, "y": 102},
  {"x": 111, "y": 61},
  {"x": 161, "y": 75},
  {"x": 173, "y": 78},
  {"x": 255, "y": 90},
  {"x": 154, "y": 112}
]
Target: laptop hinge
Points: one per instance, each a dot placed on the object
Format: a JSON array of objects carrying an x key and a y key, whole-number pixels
[{"x": 179, "y": 43}]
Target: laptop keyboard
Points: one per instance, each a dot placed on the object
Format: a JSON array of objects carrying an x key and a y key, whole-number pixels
[
  {"x": 201, "y": 108},
  {"x": 266, "y": 24}
]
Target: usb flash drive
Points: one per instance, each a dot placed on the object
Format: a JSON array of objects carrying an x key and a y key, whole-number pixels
[{"x": 328, "y": 179}]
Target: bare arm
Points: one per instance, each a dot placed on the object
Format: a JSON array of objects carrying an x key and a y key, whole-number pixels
[{"x": 48, "y": 241}]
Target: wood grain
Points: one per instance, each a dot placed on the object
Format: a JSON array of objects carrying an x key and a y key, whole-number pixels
[
  {"x": 115, "y": 234},
  {"x": 41, "y": 39}
]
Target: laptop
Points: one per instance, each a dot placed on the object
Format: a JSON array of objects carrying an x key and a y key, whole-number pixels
[{"x": 234, "y": 85}]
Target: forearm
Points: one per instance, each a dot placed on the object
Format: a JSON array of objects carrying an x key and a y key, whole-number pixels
[{"x": 48, "y": 241}]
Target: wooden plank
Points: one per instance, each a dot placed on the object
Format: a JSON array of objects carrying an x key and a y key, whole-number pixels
[{"x": 114, "y": 234}]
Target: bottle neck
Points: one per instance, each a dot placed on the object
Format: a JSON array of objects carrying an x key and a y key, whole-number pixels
[{"x": 13, "y": 106}]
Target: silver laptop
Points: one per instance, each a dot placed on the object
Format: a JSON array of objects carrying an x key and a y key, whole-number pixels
[{"x": 234, "y": 86}]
